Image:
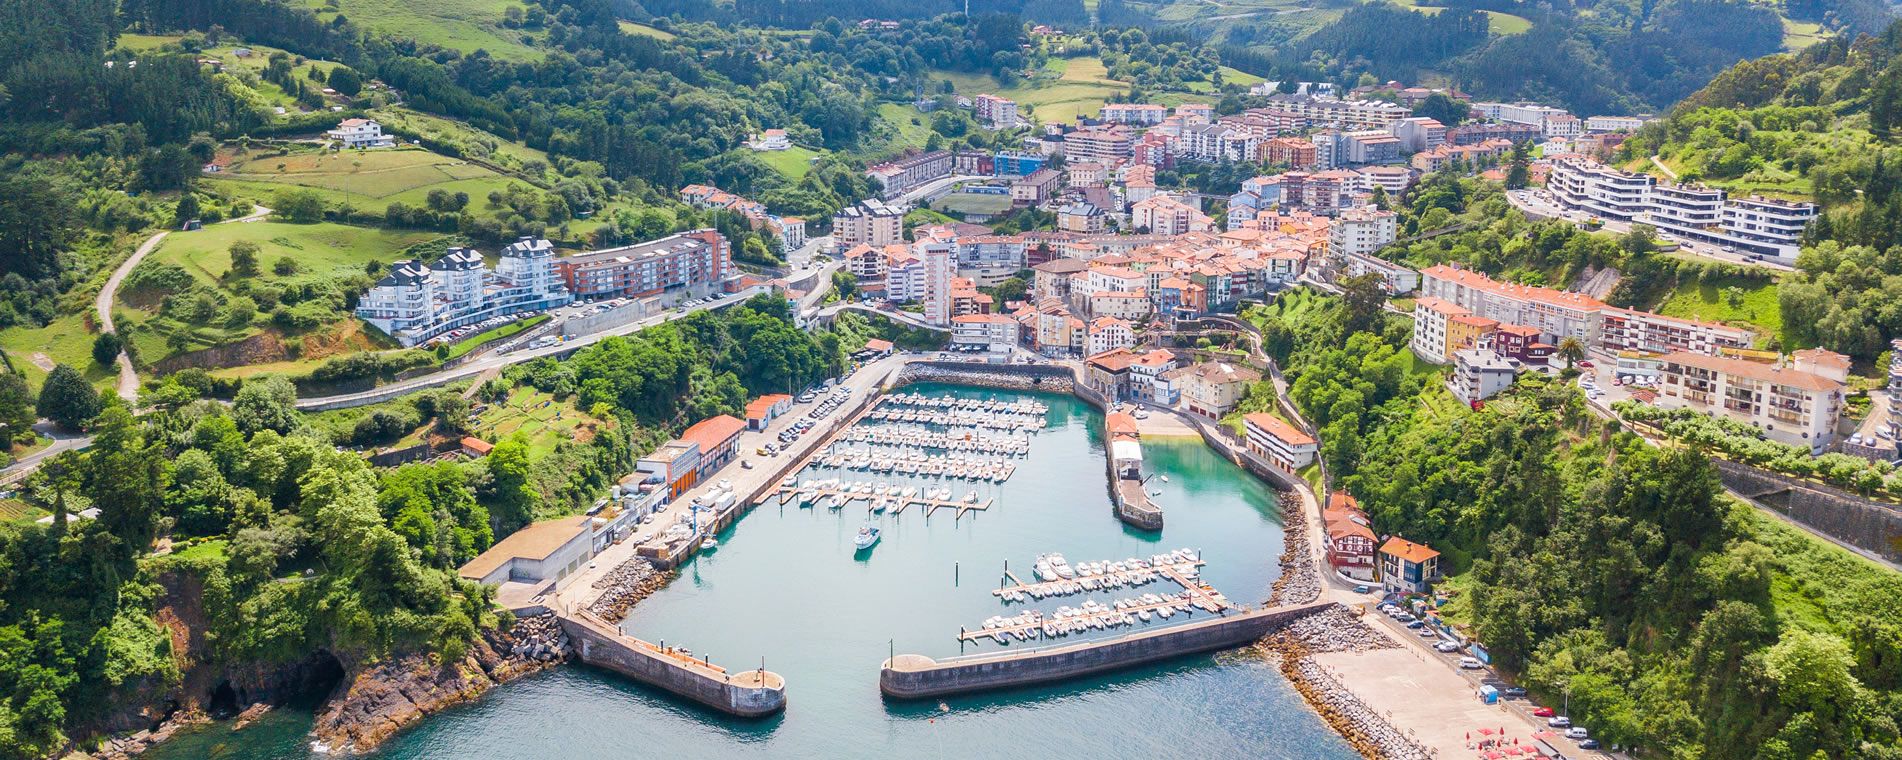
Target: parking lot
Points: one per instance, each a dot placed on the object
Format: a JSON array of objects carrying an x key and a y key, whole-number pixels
[{"x": 1427, "y": 641}]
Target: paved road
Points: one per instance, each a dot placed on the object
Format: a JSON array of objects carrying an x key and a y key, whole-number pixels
[
  {"x": 904, "y": 317},
  {"x": 62, "y": 441},
  {"x": 1539, "y": 205},
  {"x": 128, "y": 386},
  {"x": 492, "y": 361}
]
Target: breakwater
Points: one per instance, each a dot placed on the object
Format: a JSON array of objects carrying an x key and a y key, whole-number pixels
[
  {"x": 1300, "y": 580},
  {"x": 912, "y": 676},
  {"x": 745, "y": 694},
  {"x": 1022, "y": 377}
]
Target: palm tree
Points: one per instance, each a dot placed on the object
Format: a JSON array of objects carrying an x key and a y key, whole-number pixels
[{"x": 1572, "y": 350}]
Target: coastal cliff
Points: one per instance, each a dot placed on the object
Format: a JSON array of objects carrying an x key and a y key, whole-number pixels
[{"x": 379, "y": 699}]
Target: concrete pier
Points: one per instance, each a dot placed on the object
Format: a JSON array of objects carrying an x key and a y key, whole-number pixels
[
  {"x": 912, "y": 676},
  {"x": 745, "y": 694}
]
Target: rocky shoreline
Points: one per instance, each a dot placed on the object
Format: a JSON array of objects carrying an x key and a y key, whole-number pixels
[
  {"x": 1300, "y": 580},
  {"x": 624, "y": 586},
  {"x": 1338, "y": 630},
  {"x": 379, "y": 699}
]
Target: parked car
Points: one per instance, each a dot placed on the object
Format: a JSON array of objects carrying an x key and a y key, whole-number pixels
[
  {"x": 1577, "y": 732},
  {"x": 1514, "y": 691},
  {"x": 1588, "y": 744},
  {"x": 1427, "y": 633},
  {"x": 1416, "y": 623},
  {"x": 1544, "y": 712},
  {"x": 1361, "y": 589},
  {"x": 1447, "y": 646},
  {"x": 1559, "y": 721},
  {"x": 1470, "y": 663}
]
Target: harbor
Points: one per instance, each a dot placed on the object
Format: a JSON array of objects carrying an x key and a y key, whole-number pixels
[{"x": 789, "y": 592}]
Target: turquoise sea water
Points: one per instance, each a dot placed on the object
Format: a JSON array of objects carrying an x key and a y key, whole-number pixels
[{"x": 786, "y": 586}]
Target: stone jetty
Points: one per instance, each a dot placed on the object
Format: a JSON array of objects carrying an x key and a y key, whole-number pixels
[
  {"x": 624, "y": 586},
  {"x": 1300, "y": 580}
]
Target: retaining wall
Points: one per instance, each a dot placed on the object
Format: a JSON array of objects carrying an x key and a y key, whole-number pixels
[
  {"x": 1034, "y": 377},
  {"x": 746, "y": 694},
  {"x": 916, "y": 676},
  {"x": 1872, "y": 526}
]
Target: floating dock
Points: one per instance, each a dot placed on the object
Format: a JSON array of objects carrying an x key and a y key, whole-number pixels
[{"x": 898, "y": 503}]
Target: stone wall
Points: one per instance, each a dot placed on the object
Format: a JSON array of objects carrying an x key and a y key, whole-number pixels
[
  {"x": 598, "y": 644},
  {"x": 1872, "y": 526},
  {"x": 915, "y": 676}
]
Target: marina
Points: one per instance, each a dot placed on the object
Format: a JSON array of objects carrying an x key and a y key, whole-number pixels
[{"x": 1056, "y": 578}]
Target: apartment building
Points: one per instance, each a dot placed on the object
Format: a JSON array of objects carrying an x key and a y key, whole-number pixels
[
  {"x": 1016, "y": 164},
  {"x": 990, "y": 332},
  {"x": 1212, "y": 389},
  {"x": 1035, "y": 187},
  {"x": 1353, "y": 114},
  {"x": 1106, "y": 333},
  {"x": 1615, "y": 123},
  {"x": 1282, "y": 444},
  {"x": 1418, "y": 133},
  {"x": 995, "y": 112},
  {"x": 1628, "y": 330},
  {"x": 1519, "y": 113},
  {"x": 903, "y": 175},
  {"x": 1361, "y": 231},
  {"x": 1371, "y": 147},
  {"x": 1474, "y": 134},
  {"x": 1558, "y": 314},
  {"x": 1164, "y": 215},
  {"x": 1081, "y": 217},
  {"x": 1292, "y": 152},
  {"x": 937, "y": 247},
  {"x": 868, "y": 222},
  {"x": 1480, "y": 374},
  {"x": 1789, "y": 406},
  {"x": 1109, "y": 145},
  {"x": 1895, "y": 390},
  {"x": 1137, "y": 114},
  {"x": 415, "y": 302},
  {"x": 1759, "y": 225},
  {"x": 694, "y": 262}
]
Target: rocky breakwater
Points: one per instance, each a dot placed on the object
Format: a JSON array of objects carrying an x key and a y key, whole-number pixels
[
  {"x": 380, "y": 698},
  {"x": 1300, "y": 580},
  {"x": 1008, "y": 376},
  {"x": 1338, "y": 629},
  {"x": 623, "y": 587}
]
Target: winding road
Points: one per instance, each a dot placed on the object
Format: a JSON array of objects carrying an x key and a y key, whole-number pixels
[{"x": 128, "y": 386}]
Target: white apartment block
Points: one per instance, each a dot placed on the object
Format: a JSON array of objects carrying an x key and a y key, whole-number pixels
[
  {"x": 1519, "y": 113},
  {"x": 1164, "y": 215},
  {"x": 940, "y": 256},
  {"x": 1418, "y": 133},
  {"x": 1280, "y": 443},
  {"x": 415, "y": 302},
  {"x": 1109, "y": 333},
  {"x": 1601, "y": 124},
  {"x": 1789, "y": 406},
  {"x": 1430, "y": 318},
  {"x": 1107, "y": 145},
  {"x": 867, "y": 223},
  {"x": 1763, "y": 226},
  {"x": 1480, "y": 374},
  {"x": 1138, "y": 114},
  {"x": 1361, "y": 231},
  {"x": 1353, "y": 114}
]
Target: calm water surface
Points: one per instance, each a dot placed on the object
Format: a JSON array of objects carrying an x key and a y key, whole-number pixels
[{"x": 786, "y": 586}]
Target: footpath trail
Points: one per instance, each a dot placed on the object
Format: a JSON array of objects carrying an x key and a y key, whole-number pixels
[{"x": 128, "y": 385}]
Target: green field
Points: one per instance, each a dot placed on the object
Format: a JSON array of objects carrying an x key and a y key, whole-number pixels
[
  {"x": 538, "y": 416},
  {"x": 1068, "y": 88},
  {"x": 368, "y": 178},
  {"x": 645, "y": 30},
  {"x": 972, "y": 203},
  {"x": 1801, "y": 34},
  {"x": 467, "y": 139},
  {"x": 66, "y": 340},
  {"x": 323, "y": 252},
  {"x": 792, "y": 163},
  {"x": 1502, "y": 24},
  {"x": 1756, "y": 305},
  {"x": 913, "y": 126},
  {"x": 461, "y": 25}
]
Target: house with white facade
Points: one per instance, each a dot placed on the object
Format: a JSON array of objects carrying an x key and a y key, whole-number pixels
[{"x": 361, "y": 133}]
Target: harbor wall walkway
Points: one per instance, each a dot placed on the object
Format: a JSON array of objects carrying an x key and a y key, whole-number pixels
[
  {"x": 911, "y": 676},
  {"x": 745, "y": 694}
]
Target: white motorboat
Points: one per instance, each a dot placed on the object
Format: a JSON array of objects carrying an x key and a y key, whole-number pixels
[{"x": 868, "y": 535}]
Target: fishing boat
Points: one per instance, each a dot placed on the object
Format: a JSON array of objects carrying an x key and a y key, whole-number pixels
[{"x": 867, "y": 536}]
